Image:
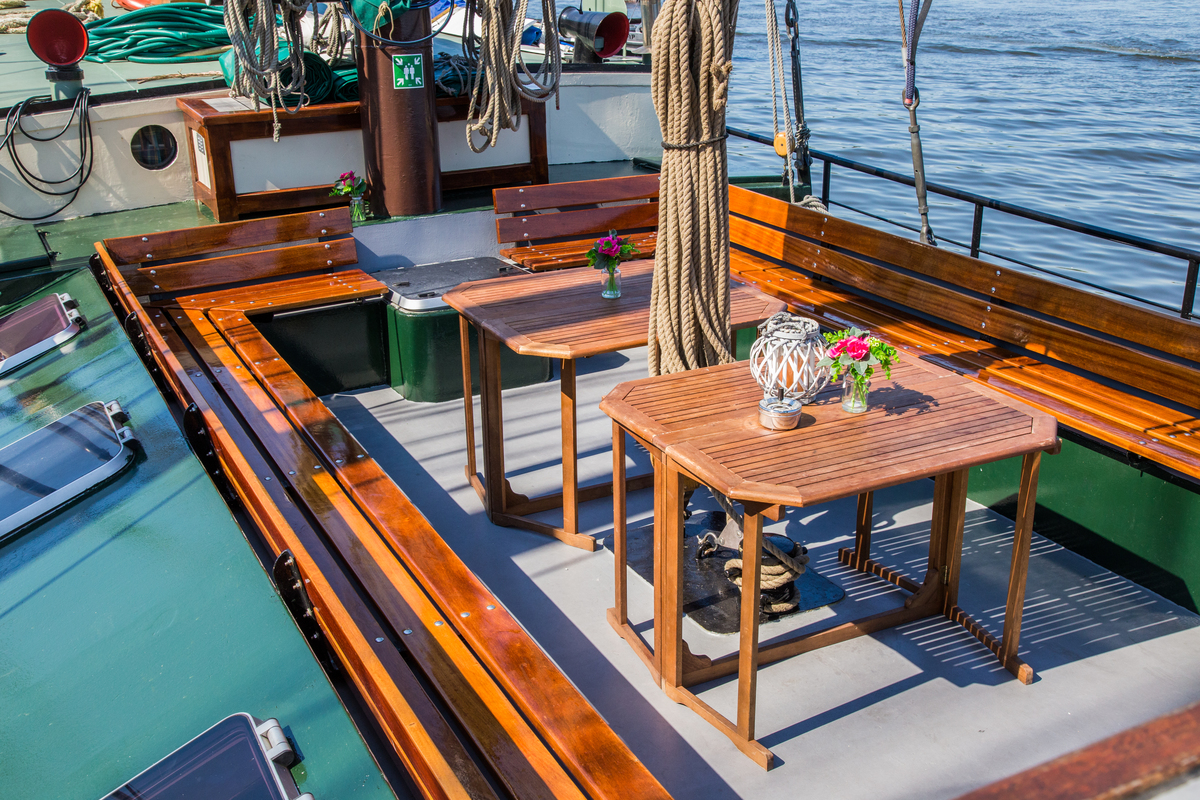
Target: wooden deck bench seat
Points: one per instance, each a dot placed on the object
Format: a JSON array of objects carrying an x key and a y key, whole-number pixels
[
  {"x": 1121, "y": 374},
  {"x": 554, "y": 225},
  {"x": 471, "y": 705}
]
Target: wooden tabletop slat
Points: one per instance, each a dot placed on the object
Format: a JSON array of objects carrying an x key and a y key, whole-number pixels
[
  {"x": 924, "y": 421},
  {"x": 562, "y": 315}
]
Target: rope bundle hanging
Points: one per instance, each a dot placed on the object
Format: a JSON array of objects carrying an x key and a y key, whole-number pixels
[
  {"x": 689, "y": 301},
  {"x": 257, "y": 68},
  {"x": 501, "y": 76},
  {"x": 788, "y": 136}
]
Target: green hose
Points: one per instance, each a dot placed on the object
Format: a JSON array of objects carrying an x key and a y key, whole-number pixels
[{"x": 165, "y": 34}]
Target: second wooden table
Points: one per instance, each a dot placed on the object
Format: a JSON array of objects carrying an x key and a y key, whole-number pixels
[{"x": 559, "y": 315}]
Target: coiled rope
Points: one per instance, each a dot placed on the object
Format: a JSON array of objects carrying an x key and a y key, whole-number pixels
[
  {"x": 689, "y": 300},
  {"x": 501, "y": 76},
  {"x": 779, "y": 572},
  {"x": 174, "y": 33}
]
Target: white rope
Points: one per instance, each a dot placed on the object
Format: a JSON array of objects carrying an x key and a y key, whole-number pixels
[
  {"x": 778, "y": 88},
  {"x": 501, "y": 75},
  {"x": 257, "y": 67},
  {"x": 689, "y": 302}
]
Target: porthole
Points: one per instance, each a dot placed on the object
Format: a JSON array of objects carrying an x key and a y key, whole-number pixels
[{"x": 154, "y": 147}]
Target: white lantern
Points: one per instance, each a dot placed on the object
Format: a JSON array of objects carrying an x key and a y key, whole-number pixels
[{"x": 783, "y": 361}]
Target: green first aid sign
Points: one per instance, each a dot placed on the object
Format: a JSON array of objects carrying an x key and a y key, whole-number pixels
[{"x": 408, "y": 72}]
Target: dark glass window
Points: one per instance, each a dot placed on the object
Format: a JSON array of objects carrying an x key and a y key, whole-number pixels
[
  {"x": 154, "y": 147},
  {"x": 57, "y": 463},
  {"x": 223, "y": 763},
  {"x": 33, "y": 329}
]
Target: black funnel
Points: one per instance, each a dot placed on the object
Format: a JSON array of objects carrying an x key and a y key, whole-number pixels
[{"x": 601, "y": 33}]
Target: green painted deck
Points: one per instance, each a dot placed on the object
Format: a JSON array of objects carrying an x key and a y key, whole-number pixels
[{"x": 140, "y": 616}]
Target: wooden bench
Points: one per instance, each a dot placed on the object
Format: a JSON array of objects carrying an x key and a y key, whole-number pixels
[
  {"x": 398, "y": 607},
  {"x": 1122, "y": 374},
  {"x": 546, "y": 222}
]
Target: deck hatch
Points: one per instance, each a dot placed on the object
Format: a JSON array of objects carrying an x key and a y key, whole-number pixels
[
  {"x": 58, "y": 463},
  {"x": 239, "y": 758},
  {"x": 37, "y": 328}
]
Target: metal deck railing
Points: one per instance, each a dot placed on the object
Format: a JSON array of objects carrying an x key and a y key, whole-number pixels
[{"x": 1185, "y": 309}]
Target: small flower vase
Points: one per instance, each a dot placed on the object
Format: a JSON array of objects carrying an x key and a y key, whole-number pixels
[
  {"x": 854, "y": 394},
  {"x": 358, "y": 212},
  {"x": 611, "y": 281}
]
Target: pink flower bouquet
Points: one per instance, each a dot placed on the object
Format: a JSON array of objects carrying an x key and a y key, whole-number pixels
[
  {"x": 609, "y": 251},
  {"x": 349, "y": 184},
  {"x": 856, "y": 354}
]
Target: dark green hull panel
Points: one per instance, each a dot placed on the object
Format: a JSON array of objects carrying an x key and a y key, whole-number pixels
[
  {"x": 1138, "y": 524},
  {"x": 139, "y": 616}
]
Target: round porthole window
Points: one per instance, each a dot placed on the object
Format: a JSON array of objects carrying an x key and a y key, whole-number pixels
[{"x": 154, "y": 147}]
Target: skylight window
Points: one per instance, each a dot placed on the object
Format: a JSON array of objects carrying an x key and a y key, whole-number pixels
[
  {"x": 37, "y": 328},
  {"x": 239, "y": 758},
  {"x": 66, "y": 459}
]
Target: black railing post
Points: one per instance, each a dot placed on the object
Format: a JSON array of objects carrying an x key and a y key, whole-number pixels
[
  {"x": 828, "y": 168},
  {"x": 1189, "y": 288},
  {"x": 977, "y": 230}
]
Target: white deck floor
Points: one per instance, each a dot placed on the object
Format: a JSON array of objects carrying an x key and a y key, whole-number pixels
[{"x": 922, "y": 710}]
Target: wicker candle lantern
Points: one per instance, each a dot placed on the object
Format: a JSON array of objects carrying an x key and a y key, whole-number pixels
[{"x": 783, "y": 361}]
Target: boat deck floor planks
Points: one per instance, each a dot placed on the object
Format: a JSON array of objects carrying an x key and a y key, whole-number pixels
[{"x": 1108, "y": 653}]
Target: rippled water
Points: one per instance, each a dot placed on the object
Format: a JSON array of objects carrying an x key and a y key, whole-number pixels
[{"x": 1089, "y": 110}]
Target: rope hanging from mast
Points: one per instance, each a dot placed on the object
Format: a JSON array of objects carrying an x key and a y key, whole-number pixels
[
  {"x": 689, "y": 300},
  {"x": 910, "y": 32},
  {"x": 787, "y": 137},
  {"x": 501, "y": 76},
  {"x": 257, "y": 70}
]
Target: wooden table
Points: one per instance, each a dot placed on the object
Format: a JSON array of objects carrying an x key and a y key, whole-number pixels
[
  {"x": 559, "y": 315},
  {"x": 701, "y": 428}
]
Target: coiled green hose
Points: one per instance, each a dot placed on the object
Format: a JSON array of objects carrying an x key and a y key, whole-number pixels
[{"x": 172, "y": 33}]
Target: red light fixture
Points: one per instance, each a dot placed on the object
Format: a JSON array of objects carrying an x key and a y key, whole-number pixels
[{"x": 59, "y": 39}]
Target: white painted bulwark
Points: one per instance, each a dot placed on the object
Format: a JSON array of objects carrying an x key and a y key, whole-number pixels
[
  {"x": 510, "y": 148},
  {"x": 117, "y": 181},
  {"x": 310, "y": 159},
  {"x": 602, "y": 116}
]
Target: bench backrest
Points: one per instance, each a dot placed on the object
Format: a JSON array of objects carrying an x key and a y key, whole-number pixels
[
  {"x": 171, "y": 262},
  {"x": 1151, "y": 351},
  {"x": 557, "y": 211}
]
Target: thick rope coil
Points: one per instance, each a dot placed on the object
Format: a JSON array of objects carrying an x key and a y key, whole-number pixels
[
  {"x": 689, "y": 305},
  {"x": 779, "y": 572},
  {"x": 501, "y": 76}
]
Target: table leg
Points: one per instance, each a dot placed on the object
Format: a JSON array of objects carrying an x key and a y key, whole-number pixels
[
  {"x": 669, "y": 539},
  {"x": 493, "y": 423},
  {"x": 464, "y": 332},
  {"x": 955, "y": 516},
  {"x": 748, "y": 645},
  {"x": 570, "y": 450},
  {"x": 1022, "y": 537},
  {"x": 620, "y": 556}
]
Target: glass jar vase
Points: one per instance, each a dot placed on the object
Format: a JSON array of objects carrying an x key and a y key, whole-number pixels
[
  {"x": 854, "y": 394},
  {"x": 358, "y": 211},
  {"x": 611, "y": 281}
]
